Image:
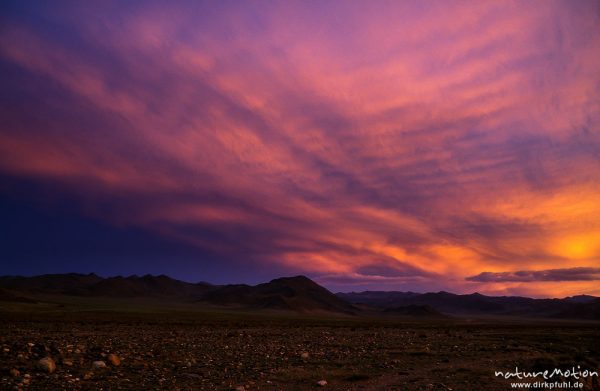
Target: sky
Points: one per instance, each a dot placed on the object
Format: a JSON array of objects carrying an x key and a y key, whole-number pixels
[{"x": 413, "y": 145}]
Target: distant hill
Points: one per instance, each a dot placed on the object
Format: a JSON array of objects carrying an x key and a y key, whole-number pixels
[
  {"x": 289, "y": 293},
  {"x": 160, "y": 286},
  {"x": 577, "y": 307},
  {"x": 74, "y": 284},
  {"x": 421, "y": 311},
  {"x": 581, "y": 299},
  {"x": 299, "y": 294},
  {"x": 69, "y": 284},
  {"x": 589, "y": 309},
  {"x": 11, "y": 297},
  {"x": 376, "y": 298}
]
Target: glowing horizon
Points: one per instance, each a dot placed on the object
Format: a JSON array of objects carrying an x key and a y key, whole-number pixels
[{"x": 408, "y": 146}]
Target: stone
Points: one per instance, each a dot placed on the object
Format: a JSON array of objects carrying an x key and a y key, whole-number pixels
[
  {"x": 322, "y": 383},
  {"x": 114, "y": 359},
  {"x": 47, "y": 364},
  {"x": 15, "y": 372},
  {"x": 304, "y": 355},
  {"x": 98, "y": 364},
  {"x": 40, "y": 349}
]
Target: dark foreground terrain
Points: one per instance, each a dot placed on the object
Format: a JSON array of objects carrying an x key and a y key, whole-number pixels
[{"x": 185, "y": 348}]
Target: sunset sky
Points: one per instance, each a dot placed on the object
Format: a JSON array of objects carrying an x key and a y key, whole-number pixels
[{"x": 402, "y": 145}]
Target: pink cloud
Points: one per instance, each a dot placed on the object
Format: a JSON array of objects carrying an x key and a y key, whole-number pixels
[{"x": 448, "y": 138}]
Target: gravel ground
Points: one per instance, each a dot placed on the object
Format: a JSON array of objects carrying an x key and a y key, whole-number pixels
[{"x": 105, "y": 351}]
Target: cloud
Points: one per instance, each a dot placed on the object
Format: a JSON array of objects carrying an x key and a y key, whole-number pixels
[
  {"x": 374, "y": 140},
  {"x": 391, "y": 268},
  {"x": 568, "y": 274}
]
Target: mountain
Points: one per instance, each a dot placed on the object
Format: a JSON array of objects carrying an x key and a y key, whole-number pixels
[
  {"x": 582, "y": 310},
  {"x": 421, "y": 311},
  {"x": 6, "y": 295},
  {"x": 74, "y": 284},
  {"x": 376, "y": 298},
  {"x": 69, "y": 284},
  {"x": 289, "y": 293},
  {"x": 147, "y": 285},
  {"x": 298, "y": 294},
  {"x": 581, "y": 299},
  {"x": 577, "y": 307}
]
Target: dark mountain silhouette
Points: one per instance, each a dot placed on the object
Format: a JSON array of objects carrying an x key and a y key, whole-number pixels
[
  {"x": 440, "y": 301},
  {"x": 74, "y": 284},
  {"x": 6, "y": 295},
  {"x": 69, "y": 284},
  {"x": 414, "y": 310},
  {"x": 586, "y": 310},
  {"x": 293, "y": 293},
  {"x": 376, "y": 298},
  {"x": 581, "y": 299},
  {"x": 290, "y": 293},
  {"x": 576, "y": 307},
  {"x": 147, "y": 286}
]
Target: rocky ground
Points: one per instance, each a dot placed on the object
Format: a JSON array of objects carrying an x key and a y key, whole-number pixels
[{"x": 104, "y": 351}]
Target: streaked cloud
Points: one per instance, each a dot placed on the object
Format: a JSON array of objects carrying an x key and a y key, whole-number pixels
[{"x": 364, "y": 142}]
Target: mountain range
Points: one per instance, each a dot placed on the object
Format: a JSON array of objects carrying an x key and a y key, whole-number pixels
[
  {"x": 579, "y": 307},
  {"x": 299, "y": 294},
  {"x": 289, "y": 293}
]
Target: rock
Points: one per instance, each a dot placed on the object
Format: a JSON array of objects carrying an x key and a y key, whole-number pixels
[
  {"x": 40, "y": 349},
  {"x": 240, "y": 388},
  {"x": 192, "y": 375},
  {"x": 68, "y": 363},
  {"x": 114, "y": 359},
  {"x": 87, "y": 375},
  {"x": 15, "y": 372},
  {"x": 47, "y": 364},
  {"x": 322, "y": 383},
  {"x": 98, "y": 364},
  {"x": 304, "y": 355}
]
